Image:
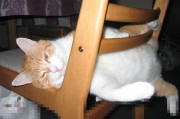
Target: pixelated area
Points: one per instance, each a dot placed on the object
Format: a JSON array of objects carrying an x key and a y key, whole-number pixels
[
  {"x": 47, "y": 113},
  {"x": 14, "y": 110},
  {"x": 14, "y": 106}
]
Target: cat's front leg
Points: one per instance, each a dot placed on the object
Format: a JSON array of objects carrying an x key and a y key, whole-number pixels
[
  {"x": 154, "y": 25},
  {"x": 105, "y": 86},
  {"x": 58, "y": 83},
  {"x": 135, "y": 91}
]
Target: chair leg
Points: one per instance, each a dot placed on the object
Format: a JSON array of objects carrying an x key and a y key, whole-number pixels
[
  {"x": 100, "y": 111},
  {"x": 139, "y": 111},
  {"x": 12, "y": 34}
]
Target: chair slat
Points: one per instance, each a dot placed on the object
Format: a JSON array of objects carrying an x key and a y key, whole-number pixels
[
  {"x": 129, "y": 14},
  {"x": 163, "y": 5},
  {"x": 117, "y": 44},
  {"x": 30, "y": 92},
  {"x": 100, "y": 110}
]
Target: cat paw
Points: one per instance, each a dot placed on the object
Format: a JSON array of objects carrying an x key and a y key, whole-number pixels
[
  {"x": 58, "y": 83},
  {"x": 155, "y": 25},
  {"x": 173, "y": 105},
  {"x": 98, "y": 99},
  {"x": 137, "y": 91}
]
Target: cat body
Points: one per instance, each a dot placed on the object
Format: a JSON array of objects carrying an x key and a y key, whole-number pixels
[{"x": 116, "y": 74}]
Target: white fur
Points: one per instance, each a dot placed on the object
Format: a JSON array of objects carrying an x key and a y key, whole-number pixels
[
  {"x": 114, "y": 33},
  {"x": 21, "y": 79},
  {"x": 155, "y": 25},
  {"x": 125, "y": 93},
  {"x": 115, "y": 70},
  {"x": 60, "y": 59},
  {"x": 173, "y": 105}
]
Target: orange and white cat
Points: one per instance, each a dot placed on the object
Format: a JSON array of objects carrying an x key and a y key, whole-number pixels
[{"x": 129, "y": 75}]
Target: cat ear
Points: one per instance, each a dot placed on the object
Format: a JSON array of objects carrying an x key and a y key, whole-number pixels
[
  {"x": 21, "y": 79},
  {"x": 27, "y": 45}
]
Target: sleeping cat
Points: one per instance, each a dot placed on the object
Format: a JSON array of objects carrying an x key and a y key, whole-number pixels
[{"x": 116, "y": 74}]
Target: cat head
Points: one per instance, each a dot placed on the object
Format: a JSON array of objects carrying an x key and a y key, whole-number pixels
[{"x": 42, "y": 64}]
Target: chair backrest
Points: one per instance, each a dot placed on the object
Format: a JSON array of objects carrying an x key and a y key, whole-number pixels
[{"x": 69, "y": 102}]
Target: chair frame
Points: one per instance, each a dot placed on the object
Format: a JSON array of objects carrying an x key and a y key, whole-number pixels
[{"x": 70, "y": 101}]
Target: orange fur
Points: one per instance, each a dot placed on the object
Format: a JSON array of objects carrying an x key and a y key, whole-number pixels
[
  {"x": 134, "y": 30},
  {"x": 163, "y": 88},
  {"x": 35, "y": 65}
]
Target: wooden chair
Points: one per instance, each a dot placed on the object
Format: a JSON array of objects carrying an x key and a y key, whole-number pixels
[{"x": 70, "y": 101}]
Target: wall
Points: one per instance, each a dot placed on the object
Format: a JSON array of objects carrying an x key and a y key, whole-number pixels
[
  {"x": 21, "y": 30},
  {"x": 3, "y": 36},
  {"x": 172, "y": 21},
  {"x": 136, "y": 3}
]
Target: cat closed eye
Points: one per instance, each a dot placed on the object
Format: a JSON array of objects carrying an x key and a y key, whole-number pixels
[
  {"x": 43, "y": 75},
  {"x": 46, "y": 58}
]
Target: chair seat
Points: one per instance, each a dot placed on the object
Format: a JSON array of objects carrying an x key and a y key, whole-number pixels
[{"x": 12, "y": 59}]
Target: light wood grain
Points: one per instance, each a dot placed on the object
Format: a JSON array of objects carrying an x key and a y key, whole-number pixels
[
  {"x": 119, "y": 44},
  {"x": 163, "y": 5},
  {"x": 130, "y": 14}
]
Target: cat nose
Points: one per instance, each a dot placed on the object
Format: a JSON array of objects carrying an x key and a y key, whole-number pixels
[
  {"x": 58, "y": 69},
  {"x": 55, "y": 69}
]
